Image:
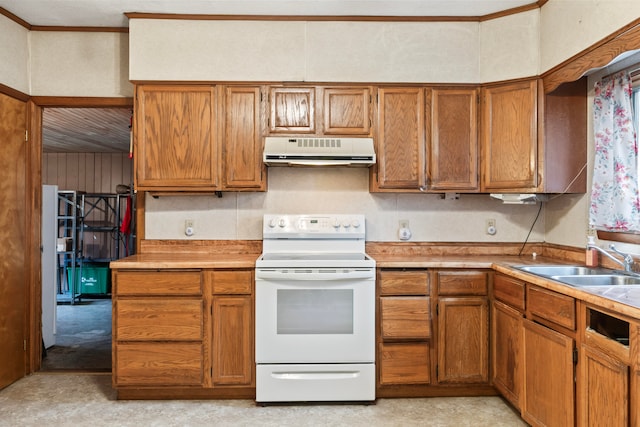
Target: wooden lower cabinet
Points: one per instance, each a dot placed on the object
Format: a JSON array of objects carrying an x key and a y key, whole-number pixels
[
  {"x": 548, "y": 398},
  {"x": 506, "y": 351},
  {"x": 404, "y": 343},
  {"x": 232, "y": 349},
  {"x": 463, "y": 327},
  {"x": 158, "y": 329},
  {"x": 183, "y": 333}
]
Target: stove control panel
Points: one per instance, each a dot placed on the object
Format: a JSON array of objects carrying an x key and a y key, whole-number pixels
[{"x": 326, "y": 225}]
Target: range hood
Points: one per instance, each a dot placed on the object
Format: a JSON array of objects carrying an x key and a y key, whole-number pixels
[
  {"x": 318, "y": 151},
  {"x": 520, "y": 199}
]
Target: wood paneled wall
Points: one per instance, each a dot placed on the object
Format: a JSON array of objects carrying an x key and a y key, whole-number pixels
[
  {"x": 91, "y": 173},
  {"x": 88, "y": 172}
]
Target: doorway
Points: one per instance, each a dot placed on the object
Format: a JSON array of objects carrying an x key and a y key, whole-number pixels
[{"x": 86, "y": 156}]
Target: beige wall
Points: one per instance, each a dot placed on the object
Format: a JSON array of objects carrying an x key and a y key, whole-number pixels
[
  {"x": 340, "y": 190},
  {"x": 79, "y": 64},
  {"x": 509, "y": 47},
  {"x": 305, "y": 51},
  {"x": 14, "y": 51},
  {"x": 567, "y": 27}
]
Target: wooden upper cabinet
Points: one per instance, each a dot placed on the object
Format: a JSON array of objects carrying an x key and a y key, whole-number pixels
[
  {"x": 292, "y": 110},
  {"x": 347, "y": 111},
  {"x": 175, "y": 138},
  {"x": 242, "y": 143},
  {"x": 510, "y": 137},
  {"x": 400, "y": 140},
  {"x": 452, "y": 139}
]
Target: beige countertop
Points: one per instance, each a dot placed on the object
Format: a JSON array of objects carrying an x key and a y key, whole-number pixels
[
  {"x": 622, "y": 299},
  {"x": 186, "y": 260}
]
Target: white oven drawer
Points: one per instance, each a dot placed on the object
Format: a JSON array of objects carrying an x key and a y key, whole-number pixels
[{"x": 309, "y": 383}]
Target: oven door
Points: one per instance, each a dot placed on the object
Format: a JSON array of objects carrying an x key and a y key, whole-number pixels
[{"x": 315, "y": 316}]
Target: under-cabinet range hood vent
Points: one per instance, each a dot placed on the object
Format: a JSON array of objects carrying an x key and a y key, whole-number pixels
[
  {"x": 283, "y": 151},
  {"x": 520, "y": 199}
]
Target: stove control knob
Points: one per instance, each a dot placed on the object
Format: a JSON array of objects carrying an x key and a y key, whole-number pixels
[
  {"x": 272, "y": 223},
  {"x": 335, "y": 223},
  {"x": 346, "y": 224},
  {"x": 282, "y": 223},
  {"x": 355, "y": 223}
]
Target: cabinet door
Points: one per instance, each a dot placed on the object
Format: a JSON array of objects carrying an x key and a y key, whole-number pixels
[
  {"x": 400, "y": 142},
  {"x": 463, "y": 340},
  {"x": 232, "y": 344},
  {"x": 604, "y": 390},
  {"x": 452, "y": 117},
  {"x": 347, "y": 111},
  {"x": 243, "y": 167},
  {"x": 506, "y": 351},
  {"x": 175, "y": 138},
  {"x": 510, "y": 137},
  {"x": 548, "y": 380},
  {"x": 292, "y": 110}
]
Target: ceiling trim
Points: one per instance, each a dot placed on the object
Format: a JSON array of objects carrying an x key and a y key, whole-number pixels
[
  {"x": 140, "y": 15},
  {"x": 351, "y": 18},
  {"x": 15, "y": 18},
  {"x": 81, "y": 29}
]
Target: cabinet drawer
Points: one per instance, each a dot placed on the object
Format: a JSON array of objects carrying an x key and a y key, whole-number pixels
[
  {"x": 509, "y": 291},
  {"x": 158, "y": 283},
  {"x": 148, "y": 319},
  {"x": 231, "y": 281},
  {"x": 405, "y": 363},
  {"x": 404, "y": 282},
  {"x": 552, "y": 306},
  {"x": 405, "y": 317},
  {"x": 158, "y": 364},
  {"x": 462, "y": 283}
]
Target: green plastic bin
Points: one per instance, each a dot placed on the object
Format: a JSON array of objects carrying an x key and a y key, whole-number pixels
[{"x": 93, "y": 279}]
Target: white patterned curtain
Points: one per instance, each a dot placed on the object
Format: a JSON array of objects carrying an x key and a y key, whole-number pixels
[{"x": 615, "y": 204}]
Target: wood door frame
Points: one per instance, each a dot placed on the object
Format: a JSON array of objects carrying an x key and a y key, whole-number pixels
[{"x": 33, "y": 307}]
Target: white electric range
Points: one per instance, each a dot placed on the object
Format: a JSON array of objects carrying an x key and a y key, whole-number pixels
[{"x": 315, "y": 310}]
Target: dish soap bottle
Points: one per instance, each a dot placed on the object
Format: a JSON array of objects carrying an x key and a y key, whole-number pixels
[{"x": 591, "y": 254}]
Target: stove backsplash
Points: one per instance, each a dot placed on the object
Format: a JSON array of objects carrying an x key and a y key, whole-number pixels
[{"x": 238, "y": 216}]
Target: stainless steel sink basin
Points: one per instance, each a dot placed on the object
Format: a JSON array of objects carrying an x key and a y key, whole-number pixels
[
  {"x": 597, "y": 280},
  {"x": 563, "y": 270}
]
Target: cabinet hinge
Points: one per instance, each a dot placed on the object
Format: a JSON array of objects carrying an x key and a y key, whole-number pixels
[
  {"x": 24, "y": 345},
  {"x": 26, "y": 135},
  {"x": 437, "y": 309},
  {"x": 575, "y": 355}
]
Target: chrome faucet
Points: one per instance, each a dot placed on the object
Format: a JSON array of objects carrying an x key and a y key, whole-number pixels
[{"x": 627, "y": 262}]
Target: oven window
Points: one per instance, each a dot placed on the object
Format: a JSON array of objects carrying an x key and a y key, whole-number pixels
[{"x": 315, "y": 311}]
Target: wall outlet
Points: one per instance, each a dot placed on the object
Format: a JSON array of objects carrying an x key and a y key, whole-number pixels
[
  {"x": 188, "y": 227},
  {"x": 490, "y": 227},
  {"x": 404, "y": 233}
]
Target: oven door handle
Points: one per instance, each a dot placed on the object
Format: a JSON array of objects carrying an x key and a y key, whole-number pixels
[{"x": 303, "y": 274}]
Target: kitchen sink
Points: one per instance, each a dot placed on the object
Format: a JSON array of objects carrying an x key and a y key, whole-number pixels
[
  {"x": 563, "y": 270},
  {"x": 598, "y": 280}
]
